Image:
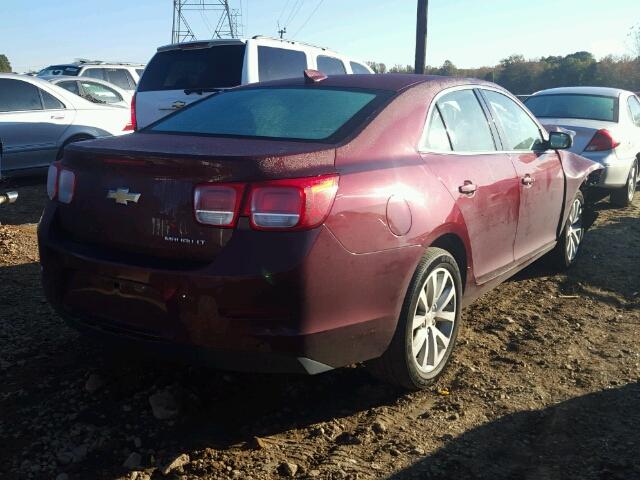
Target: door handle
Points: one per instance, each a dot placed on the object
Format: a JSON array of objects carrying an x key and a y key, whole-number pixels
[
  {"x": 468, "y": 188},
  {"x": 527, "y": 180},
  {"x": 57, "y": 117}
]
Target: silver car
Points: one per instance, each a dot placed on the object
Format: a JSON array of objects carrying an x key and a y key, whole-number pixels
[
  {"x": 94, "y": 90},
  {"x": 38, "y": 119},
  {"x": 606, "y": 122}
]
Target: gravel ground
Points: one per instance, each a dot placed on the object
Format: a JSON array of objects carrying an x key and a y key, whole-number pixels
[{"x": 544, "y": 385}]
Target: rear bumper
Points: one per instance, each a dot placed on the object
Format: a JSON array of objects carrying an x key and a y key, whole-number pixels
[
  {"x": 324, "y": 308},
  {"x": 616, "y": 170}
]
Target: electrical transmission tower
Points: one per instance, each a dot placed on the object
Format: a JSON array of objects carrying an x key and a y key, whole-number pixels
[{"x": 185, "y": 11}]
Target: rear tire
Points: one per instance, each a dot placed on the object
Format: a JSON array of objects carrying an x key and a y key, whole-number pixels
[
  {"x": 428, "y": 325},
  {"x": 566, "y": 251},
  {"x": 623, "y": 197}
]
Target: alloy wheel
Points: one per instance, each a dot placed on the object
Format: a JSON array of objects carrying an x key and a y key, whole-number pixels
[
  {"x": 433, "y": 320},
  {"x": 631, "y": 184},
  {"x": 574, "y": 229}
]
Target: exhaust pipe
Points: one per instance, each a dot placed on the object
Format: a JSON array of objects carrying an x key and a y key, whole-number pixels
[{"x": 8, "y": 197}]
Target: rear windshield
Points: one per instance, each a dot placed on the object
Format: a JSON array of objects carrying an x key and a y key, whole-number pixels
[
  {"x": 59, "y": 70},
  {"x": 571, "y": 105},
  {"x": 213, "y": 67},
  {"x": 293, "y": 113}
]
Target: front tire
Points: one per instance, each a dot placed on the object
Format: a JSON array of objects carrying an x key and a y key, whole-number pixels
[
  {"x": 623, "y": 197},
  {"x": 568, "y": 245},
  {"x": 428, "y": 325}
]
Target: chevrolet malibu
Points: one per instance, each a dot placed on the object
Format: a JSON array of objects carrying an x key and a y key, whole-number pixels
[{"x": 306, "y": 224}]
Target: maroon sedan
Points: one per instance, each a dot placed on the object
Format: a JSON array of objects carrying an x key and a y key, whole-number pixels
[{"x": 307, "y": 224}]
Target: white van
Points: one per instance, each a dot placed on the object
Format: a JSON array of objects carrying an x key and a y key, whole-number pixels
[{"x": 182, "y": 73}]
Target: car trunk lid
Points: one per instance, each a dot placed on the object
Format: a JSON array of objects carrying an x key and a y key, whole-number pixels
[
  {"x": 135, "y": 195},
  {"x": 584, "y": 129}
]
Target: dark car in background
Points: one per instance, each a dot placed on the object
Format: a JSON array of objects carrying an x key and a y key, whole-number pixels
[{"x": 307, "y": 224}]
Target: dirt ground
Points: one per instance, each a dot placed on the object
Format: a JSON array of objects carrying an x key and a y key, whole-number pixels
[{"x": 544, "y": 385}]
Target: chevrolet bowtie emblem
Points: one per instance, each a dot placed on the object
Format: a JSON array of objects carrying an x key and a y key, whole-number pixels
[
  {"x": 122, "y": 196},
  {"x": 178, "y": 104}
]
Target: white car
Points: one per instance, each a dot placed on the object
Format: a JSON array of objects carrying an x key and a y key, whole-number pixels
[
  {"x": 94, "y": 90},
  {"x": 38, "y": 119},
  {"x": 606, "y": 122},
  {"x": 182, "y": 73},
  {"x": 123, "y": 75}
]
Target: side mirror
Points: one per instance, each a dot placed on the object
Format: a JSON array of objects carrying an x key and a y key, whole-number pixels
[{"x": 560, "y": 140}]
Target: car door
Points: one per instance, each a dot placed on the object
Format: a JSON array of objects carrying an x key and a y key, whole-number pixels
[
  {"x": 541, "y": 178},
  {"x": 31, "y": 122},
  {"x": 461, "y": 148},
  {"x": 634, "y": 112}
]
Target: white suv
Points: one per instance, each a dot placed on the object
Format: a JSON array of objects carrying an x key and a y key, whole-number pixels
[
  {"x": 123, "y": 75},
  {"x": 181, "y": 73}
]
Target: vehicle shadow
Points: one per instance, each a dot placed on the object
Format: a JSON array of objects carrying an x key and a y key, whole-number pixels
[
  {"x": 595, "y": 436},
  {"x": 50, "y": 363},
  {"x": 32, "y": 196}
]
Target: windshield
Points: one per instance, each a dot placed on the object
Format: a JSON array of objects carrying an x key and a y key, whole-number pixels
[
  {"x": 296, "y": 113},
  {"x": 59, "y": 70},
  {"x": 180, "y": 69},
  {"x": 572, "y": 105}
]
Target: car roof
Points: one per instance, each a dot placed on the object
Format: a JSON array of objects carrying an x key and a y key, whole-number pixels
[
  {"x": 386, "y": 81},
  {"x": 606, "y": 91}
]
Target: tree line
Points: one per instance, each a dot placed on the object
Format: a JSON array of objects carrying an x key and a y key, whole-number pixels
[{"x": 522, "y": 76}]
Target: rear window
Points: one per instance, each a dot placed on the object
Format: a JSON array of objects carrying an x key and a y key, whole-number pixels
[
  {"x": 59, "y": 70},
  {"x": 278, "y": 63},
  {"x": 295, "y": 113},
  {"x": 571, "y": 105},
  {"x": 213, "y": 67}
]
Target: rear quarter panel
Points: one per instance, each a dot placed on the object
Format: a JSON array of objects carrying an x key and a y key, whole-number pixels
[{"x": 388, "y": 198}]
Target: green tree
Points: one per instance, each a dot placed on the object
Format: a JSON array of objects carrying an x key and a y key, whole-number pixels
[
  {"x": 377, "y": 67},
  {"x": 5, "y": 66},
  {"x": 448, "y": 69}
]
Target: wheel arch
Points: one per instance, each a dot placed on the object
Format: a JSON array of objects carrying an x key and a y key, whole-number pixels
[
  {"x": 453, "y": 244},
  {"x": 76, "y": 137}
]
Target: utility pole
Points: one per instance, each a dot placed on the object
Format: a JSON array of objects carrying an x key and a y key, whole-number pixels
[
  {"x": 421, "y": 36},
  {"x": 282, "y": 31}
]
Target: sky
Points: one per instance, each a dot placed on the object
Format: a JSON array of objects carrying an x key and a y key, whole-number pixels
[{"x": 37, "y": 33}]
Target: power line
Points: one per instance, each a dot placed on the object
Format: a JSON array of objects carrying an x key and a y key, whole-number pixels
[
  {"x": 308, "y": 18},
  {"x": 286, "y": 4},
  {"x": 294, "y": 12}
]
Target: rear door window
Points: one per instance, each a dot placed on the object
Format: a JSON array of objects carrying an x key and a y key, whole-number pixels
[
  {"x": 330, "y": 65},
  {"x": 634, "y": 110},
  {"x": 358, "y": 68},
  {"x": 465, "y": 122},
  {"x": 435, "y": 137},
  {"x": 50, "y": 102},
  {"x": 214, "y": 67},
  {"x": 95, "y": 73},
  {"x": 97, "y": 93},
  {"x": 277, "y": 63},
  {"x": 70, "y": 86},
  {"x": 517, "y": 129},
  {"x": 18, "y": 96},
  {"x": 120, "y": 78}
]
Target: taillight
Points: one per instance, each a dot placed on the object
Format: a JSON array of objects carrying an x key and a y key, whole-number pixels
[
  {"x": 66, "y": 186},
  {"x": 602, "y": 140},
  {"x": 298, "y": 204},
  {"x": 61, "y": 183},
  {"x": 218, "y": 205},
  {"x": 52, "y": 180},
  {"x": 133, "y": 123},
  {"x": 288, "y": 204}
]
